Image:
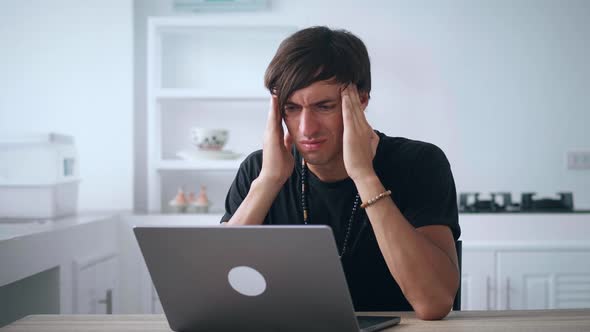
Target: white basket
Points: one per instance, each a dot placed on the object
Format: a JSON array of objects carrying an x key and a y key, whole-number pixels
[
  {"x": 38, "y": 176},
  {"x": 39, "y": 202}
]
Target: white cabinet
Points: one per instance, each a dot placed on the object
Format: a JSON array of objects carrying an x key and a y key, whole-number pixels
[
  {"x": 478, "y": 280},
  {"x": 535, "y": 253},
  {"x": 544, "y": 279},
  {"x": 82, "y": 251},
  {"x": 205, "y": 72},
  {"x": 95, "y": 285},
  {"x": 525, "y": 276},
  {"x": 555, "y": 266}
]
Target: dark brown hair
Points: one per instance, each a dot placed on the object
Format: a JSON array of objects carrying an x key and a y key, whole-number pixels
[{"x": 317, "y": 54}]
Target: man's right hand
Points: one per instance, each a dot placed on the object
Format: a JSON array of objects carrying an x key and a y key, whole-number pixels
[
  {"x": 277, "y": 159},
  {"x": 277, "y": 167}
]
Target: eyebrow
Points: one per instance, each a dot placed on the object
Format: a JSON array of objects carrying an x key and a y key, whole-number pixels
[{"x": 323, "y": 101}]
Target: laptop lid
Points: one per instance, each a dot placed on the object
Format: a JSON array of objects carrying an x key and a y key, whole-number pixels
[{"x": 263, "y": 278}]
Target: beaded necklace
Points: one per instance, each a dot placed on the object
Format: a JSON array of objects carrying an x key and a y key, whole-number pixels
[{"x": 305, "y": 206}]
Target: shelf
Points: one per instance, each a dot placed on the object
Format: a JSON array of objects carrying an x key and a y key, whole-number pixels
[
  {"x": 215, "y": 66},
  {"x": 204, "y": 165},
  {"x": 163, "y": 94},
  {"x": 182, "y": 23}
]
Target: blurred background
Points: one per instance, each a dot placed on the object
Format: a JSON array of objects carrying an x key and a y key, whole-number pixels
[{"x": 501, "y": 86}]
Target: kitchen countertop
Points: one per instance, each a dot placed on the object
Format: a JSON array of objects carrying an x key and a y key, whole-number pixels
[
  {"x": 16, "y": 228},
  {"x": 524, "y": 227},
  {"x": 27, "y": 248},
  {"x": 526, "y": 212}
]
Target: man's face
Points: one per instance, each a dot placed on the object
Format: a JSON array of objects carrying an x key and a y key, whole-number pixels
[{"x": 313, "y": 116}]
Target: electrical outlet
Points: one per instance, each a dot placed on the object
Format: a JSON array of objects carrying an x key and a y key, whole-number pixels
[{"x": 578, "y": 159}]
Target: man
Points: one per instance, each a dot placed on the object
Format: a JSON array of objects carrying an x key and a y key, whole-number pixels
[{"x": 390, "y": 201}]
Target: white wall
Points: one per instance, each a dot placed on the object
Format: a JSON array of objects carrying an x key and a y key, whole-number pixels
[
  {"x": 500, "y": 85},
  {"x": 66, "y": 66}
]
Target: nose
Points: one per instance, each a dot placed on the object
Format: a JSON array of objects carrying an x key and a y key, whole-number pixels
[{"x": 308, "y": 124}]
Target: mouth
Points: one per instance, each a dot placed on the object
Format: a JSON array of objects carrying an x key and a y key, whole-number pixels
[{"x": 312, "y": 145}]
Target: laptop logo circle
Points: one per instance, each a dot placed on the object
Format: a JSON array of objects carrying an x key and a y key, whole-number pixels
[{"x": 246, "y": 281}]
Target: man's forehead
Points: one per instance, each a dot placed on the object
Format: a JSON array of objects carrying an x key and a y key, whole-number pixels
[{"x": 318, "y": 91}]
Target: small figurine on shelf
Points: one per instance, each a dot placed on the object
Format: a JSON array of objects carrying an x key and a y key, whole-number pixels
[
  {"x": 200, "y": 204},
  {"x": 178, "y": 203}
]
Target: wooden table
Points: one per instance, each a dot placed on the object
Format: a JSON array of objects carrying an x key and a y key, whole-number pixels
[{"x": 537, "y": 321}]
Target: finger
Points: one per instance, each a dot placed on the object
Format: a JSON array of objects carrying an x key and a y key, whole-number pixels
[
  {"x": 274, "y": 129},
  {"x": 274, "y": 117},
  {"x": 356, "y": 117},
  {"x": 355, "y": 97},
  {"x": 358, "y": 107},
  {"x": 347, "y": 112},
  {"x": 270, "y": 118},
  {"x": 288, "y": 141}
]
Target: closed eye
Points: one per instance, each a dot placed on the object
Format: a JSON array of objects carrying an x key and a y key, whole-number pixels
[
  {"x": 291, "y": 108},
  {"x": 325, "y": 107}
]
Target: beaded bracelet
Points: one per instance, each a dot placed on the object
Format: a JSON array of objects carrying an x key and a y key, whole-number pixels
[{"x": 375, "y": 199}]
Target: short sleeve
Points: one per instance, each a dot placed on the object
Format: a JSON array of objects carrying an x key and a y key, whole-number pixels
[
  {"x": 432, "y": 194},
  {"x": 240, "y": 187}
]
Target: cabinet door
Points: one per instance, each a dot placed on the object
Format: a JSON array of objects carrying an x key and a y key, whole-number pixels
[
  {"x": 477, "y": 280},
  {"x": 94, "y": 286},
  {"x": 556, "y": 279}
]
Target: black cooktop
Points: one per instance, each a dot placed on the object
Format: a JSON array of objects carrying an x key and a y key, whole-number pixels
[{"x": 501, "y": 202}]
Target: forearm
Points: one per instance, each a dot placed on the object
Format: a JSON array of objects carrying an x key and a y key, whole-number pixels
[
  {"x": 427, "y": 276},
  {"x": 257, "y": 203}
]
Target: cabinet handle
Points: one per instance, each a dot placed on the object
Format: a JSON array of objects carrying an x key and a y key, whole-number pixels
[
  {"x": 108, "y": 301},
  {"x": 508, "y": 294},
  {"x": 489, "y": 292}
]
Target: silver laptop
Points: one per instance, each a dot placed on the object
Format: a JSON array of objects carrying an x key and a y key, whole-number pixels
[{"x": 251, "y": 278}]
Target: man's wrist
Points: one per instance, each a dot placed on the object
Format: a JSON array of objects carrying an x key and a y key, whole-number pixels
[
  {"x": 269, "y": 184},
  {"x": 369, "y": 187},
  {"x": 368, "y": 179}
]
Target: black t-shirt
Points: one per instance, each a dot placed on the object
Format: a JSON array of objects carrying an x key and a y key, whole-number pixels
[{"x": 420, "y": 179}]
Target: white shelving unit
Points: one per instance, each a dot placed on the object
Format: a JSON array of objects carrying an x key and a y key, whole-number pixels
[
  {"x": 163, "y": 94},
  {"x": 211, "y": 165},
  {"x": 199, "y": 67}
]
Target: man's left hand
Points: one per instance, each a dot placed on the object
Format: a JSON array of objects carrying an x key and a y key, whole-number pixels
[{"x": 359, "y": 141}]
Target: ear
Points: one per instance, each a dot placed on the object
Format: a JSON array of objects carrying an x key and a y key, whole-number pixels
[{"x": 364, "y": 99}]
